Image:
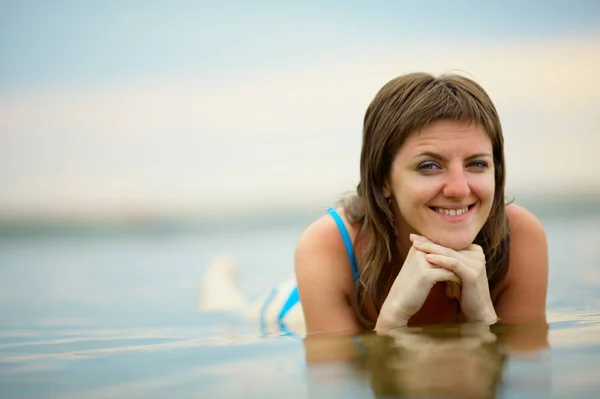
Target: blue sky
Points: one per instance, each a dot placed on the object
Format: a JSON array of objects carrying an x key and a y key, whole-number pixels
[
  {"x": 191, "y": 107},
  {"x": 64, "y": 42}
]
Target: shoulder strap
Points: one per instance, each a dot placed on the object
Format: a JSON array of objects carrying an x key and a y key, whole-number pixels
[{"x": 347, "y": 242}]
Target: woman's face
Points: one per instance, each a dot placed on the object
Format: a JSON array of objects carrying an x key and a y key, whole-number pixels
[{"x": 442, "y": 183}]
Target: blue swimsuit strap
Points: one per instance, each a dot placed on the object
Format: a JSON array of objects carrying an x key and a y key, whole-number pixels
[
  {"x": 294, "y": 297},
  {"x": 347, "y": 241}
]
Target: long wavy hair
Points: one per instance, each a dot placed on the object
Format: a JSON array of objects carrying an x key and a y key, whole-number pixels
[{"x": 401, "y": 107}]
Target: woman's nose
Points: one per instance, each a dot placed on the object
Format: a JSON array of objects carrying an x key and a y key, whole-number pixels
[{"x": 456, "y": 185}]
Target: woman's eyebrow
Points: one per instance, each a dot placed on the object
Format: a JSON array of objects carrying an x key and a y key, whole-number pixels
[
  {"x": 479, "y": 155},
  {"x": 429, "y": 154},
  {"x": 442, "y": 158}
]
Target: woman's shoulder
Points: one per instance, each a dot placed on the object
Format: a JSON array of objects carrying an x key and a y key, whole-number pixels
[
  {"x": 528, "y": 253},
  {"x": 321, "y": 249},
  {"x": 522, "y": 222},
  {"x": 327, "y": 230},
  {"x": 522, "y": 293}
]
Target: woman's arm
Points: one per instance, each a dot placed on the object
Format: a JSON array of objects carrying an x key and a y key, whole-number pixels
[
  {"x": 523, "y": 297},
  {"x": 325, "y": 284}
]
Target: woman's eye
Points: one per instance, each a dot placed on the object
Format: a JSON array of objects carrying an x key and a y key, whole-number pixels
[
  {"x": 478, "y": 164},
  {"x": 428, "y": 166}
]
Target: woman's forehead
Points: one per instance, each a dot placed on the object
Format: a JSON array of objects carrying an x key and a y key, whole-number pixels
[{"x": 449, "y": 135}]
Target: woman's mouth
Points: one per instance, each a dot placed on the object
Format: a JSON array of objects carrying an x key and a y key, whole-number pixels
[{"x": 453, "y": 213}]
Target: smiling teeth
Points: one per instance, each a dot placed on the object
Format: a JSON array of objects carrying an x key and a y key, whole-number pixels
[{"x": 452, "y": 212}]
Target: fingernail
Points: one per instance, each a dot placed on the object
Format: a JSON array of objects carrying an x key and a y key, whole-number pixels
[{"x": 416, "y": 238}]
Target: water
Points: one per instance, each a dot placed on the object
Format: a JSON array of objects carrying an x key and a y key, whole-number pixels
[{"x": 112, "y": 315}]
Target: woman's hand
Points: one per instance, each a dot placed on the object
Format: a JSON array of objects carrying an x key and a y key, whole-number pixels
[
  {"x": 469, "y": 266},
  {"x": 410, "y": 289}
]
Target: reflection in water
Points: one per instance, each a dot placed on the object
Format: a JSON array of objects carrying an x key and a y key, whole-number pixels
[
  {"x": 456, "y": 361},
  {"x": 434, "y": 363}
]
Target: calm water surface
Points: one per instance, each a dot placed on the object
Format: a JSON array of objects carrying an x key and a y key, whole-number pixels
[{"x": 114, "y": 315}]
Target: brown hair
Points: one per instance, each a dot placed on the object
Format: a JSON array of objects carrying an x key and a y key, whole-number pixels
[{"x": 401, "y": 107}]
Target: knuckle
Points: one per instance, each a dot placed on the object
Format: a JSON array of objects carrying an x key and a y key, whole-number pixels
[
  {"x": 420, "y": 256},
  {"x": 420, "y": 262},
  {"x": 451, "y": 263},
  {"x": 476, "y": 247}
]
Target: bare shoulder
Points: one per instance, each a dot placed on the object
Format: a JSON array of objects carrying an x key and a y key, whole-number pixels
[
  {"x": 528, "y": 246},
  {"x": 522, "y": 222},
  {"x": 324, "y": 277},
  {"x": 523, "y": 292},
  {"x": 321, "y": 251}
]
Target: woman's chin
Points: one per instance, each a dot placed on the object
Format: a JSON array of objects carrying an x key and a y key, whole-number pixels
[{"x": 456, "y": 243}]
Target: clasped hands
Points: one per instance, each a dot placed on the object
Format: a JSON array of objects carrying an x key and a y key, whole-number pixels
[
  {"x": 425, "y": 265},
  {"x": 469, "y": 266}
]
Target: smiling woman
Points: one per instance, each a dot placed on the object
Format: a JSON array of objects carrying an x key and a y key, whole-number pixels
[{"x": 428, "y": 236}]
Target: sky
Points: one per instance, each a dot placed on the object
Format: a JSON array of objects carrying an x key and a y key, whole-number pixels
[{"x": 187, "y": 107}]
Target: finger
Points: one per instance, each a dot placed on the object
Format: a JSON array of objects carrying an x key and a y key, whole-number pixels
[
  {"x": 457, "y": 290},
  {"x": 417, "y": 238},
  {"x": 425, "y": 245},
  {"x": 474, "y": 248},
  {"x": 447, "y": 262},
  {"x": 449, "y": 290},
  {"x": 441, "y": 275},
  {"x": 474, "y": 251},
  {"x": 414, "y": 237},
  {"x": 452, "y": 290}
]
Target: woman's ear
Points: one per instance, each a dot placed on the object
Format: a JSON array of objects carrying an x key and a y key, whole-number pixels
[{"x": 387, "y": 192}]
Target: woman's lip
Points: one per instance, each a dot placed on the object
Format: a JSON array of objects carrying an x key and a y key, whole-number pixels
[
  {"x": 454, "y": 207},
  {"x": 454, "y": 218}
]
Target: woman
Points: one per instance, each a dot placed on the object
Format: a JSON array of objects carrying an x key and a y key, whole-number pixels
[{"x": 428, "y": 237}]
